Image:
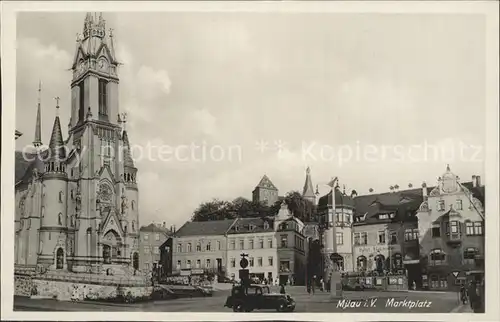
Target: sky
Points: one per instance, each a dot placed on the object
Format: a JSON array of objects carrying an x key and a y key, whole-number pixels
[{"x": 376, "y": 100}]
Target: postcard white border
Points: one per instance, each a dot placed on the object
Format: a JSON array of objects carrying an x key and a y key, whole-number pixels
[{"x": 8, "y": 37}]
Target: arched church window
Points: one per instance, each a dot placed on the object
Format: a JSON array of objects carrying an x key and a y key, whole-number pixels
[
  {"x": 59, "y": 219},
  {"x": 133, "y": 225},
  {"x": 72, "y": 196},
  {"x": 60, "y": 258},
  {"x": 29, "y": 224},
  {"x": 60, "y": 196},
  {"x": 43, "y": 212},
  {"x": 132, "y": 204}
]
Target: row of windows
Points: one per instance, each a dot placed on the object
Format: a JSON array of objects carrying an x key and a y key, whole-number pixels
[
  {"x": 454, "y": 228},
  {"x": 362, "y": 238},
  {"x": 147, "y": 249},
  {"x": 188, "y": 264},
  {"x": 439, "y": 257},
  {"x": 146, "y": 237},
  {"x": 441, "y": 206},
  {"x": 251, "y": 262},
  {"x": 189, "y": 247},
  {"x": 251, "y": 243}
]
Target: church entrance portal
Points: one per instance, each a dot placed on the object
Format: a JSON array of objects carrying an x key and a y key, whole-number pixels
[{"x": 111, "y": 248}]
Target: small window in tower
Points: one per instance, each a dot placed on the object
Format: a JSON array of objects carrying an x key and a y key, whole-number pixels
[
  {"x": 59, "y": 219},
  {"x": 103, "y": 107},
  {"x": 81, "y": 105},
  {"x": 60, "y": 196}
]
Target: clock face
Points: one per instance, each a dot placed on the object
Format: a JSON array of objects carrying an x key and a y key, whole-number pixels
[{"x": 102, "y": 64}]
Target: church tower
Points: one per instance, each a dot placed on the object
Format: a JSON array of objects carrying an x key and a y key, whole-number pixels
[
  {"x": 78, "y": 205},
  {"x": 108, "y": 216},
  {"x": 265, "y": 192},
  {"x": 308, "y": 191}
]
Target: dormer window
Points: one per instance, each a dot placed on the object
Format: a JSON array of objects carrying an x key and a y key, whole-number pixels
[
  {"x": 251, "y": 227},
  {"x": 266, "y": 225},
  {"x": 459, "y": 204},
  {"x": 236, "y": 228}
]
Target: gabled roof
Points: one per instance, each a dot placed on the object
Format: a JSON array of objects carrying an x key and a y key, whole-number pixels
[
  {"x": 266, "y": 183},
  {"x": 205, "y": 228}
]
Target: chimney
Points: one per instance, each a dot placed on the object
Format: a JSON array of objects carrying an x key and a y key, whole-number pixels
[
  {"x": 354, "y": 194},
  {"x": 474, "y": 181},
  {"x": 424, "y": 190},
  {"x": 478, "y": 181}
]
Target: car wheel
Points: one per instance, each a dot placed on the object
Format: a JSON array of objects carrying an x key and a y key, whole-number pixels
[
  {"x": 238, "y": 307},
  {"x": 281, "y": 307}
]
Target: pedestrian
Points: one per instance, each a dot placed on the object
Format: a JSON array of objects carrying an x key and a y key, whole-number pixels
[
  {"x": 313, "y": 284},
  {"x": 321, "y": 285},
  {"x": 282, "y": 289},
  {"x": 472, "y": 295},
  {"x": 463, "y": 294}
]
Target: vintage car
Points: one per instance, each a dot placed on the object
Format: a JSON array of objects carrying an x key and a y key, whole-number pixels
[{"x": 257, "y": 297}]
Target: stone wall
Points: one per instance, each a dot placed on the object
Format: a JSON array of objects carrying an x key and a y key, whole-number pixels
[
  {"x": 70, "y": 291},
  {"x": 23, "y": 285}
]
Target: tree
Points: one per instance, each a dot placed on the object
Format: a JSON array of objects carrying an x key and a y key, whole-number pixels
[
  {"x": 245, "y": 208},
  {"x": 300, "y": 207},
  {"x": 241, "y": 207},
  {"x": 213, "y": 210},
  {"x": 219, "y": 210}
]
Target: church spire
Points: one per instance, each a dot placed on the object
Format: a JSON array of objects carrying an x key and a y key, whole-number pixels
[
  {"x": 127, "y": 156},
  {"x": 37, "y": 142},
  {"x": 308, "y": 191},
  {"x": 56, "y": 144}
]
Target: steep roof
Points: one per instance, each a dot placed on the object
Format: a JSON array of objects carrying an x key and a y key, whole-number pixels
[
  {"x": 308, "y": 190},
  {"x": 56, "y": 144},
  {"x": 403, "y": 203},
  {"x": 251, "y": 225},
  {"x": 152, "y": 228},
  {"x": 127, "y": 156},
  {"x": 266, "y": 183},
  {"x": 26, "y": 163},
  {"x": 340, "y": 199},
  {"x": 205, "y": 228}
]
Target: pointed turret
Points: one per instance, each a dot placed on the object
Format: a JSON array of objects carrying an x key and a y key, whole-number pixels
[
  {"x": 37, "y": 142},
  {"x": 308, "y": 192},
  {"x": 56, "y": 144},
  {"x": 127, "y": 156}
]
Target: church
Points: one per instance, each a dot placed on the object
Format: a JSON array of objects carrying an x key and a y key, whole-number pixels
[{"x": 77, "y": 200}]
